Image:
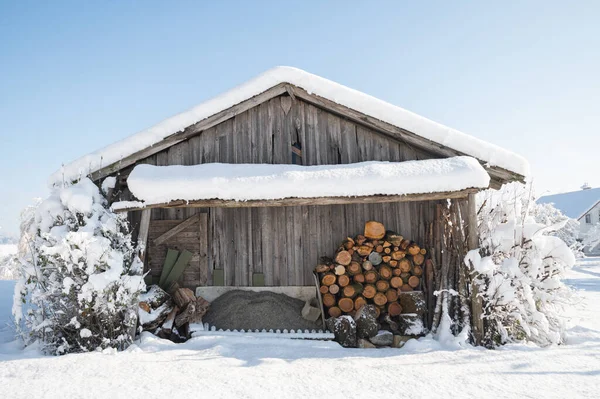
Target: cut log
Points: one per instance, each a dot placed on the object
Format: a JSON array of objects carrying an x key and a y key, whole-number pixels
[
  {"x": 359, "y": 278},
  {"x": 367, "y": 265},
  {"x": 396, "y": 282},
  {"x": 418, "y": 259},
  {"x": 339, "y": 270},
  {"x": 393, "y": 263},
  {"x": 379, "y": 248},
  {"x": 386, "y": 244},
  {"x": 360, "y": 240},
  {"x": 387, "y": 250},
  {"x": 418, "y": 271},
  {"x": 346, "y": 304},
  {"x": 145, "y": 307},
  {"x": 369, "y": 291},
  {"x": 391, "y": 295},
  {"x": 183, "y": 296},
  {"x": 404, "y": 245},
  {"x": 328, "y": 279},
  {"x": 328, "y": 300},
  {"x": 382, "y": 285},
  {"x": 343, "y": 258},
  {"x": 386, "y": 258},
  {"x": 380, "y": 299},
  {"x": 394, "y": 239},
  {"x": 414, "y": 281},
  {"x": 375, "y": 258},
  {"x": 371, "y": 276},
  {"x": 352, "y": 290},
  {"x": 167, "y": 325},
  {"x": 354, "y": 268},
  {"x": 374, "y": 230},
  {"x": 366, "y": 321},
  {"x": 343, "y": 280},
  {"x": 397, "y": 255},
  {"x": 155, "y": 296},
  {"x": 334, "y": 289},
  {"x": 405, "y": 277},
  {"x": 334, "y": 311},
  {"x": 322, "y": 268},
  {"x": 404, "y": 265},
  {"x": 359, "y": 302},
  {"x": 405, "y": 288},
  {"x": 414, "y": 249},
  {"x": 394, "y": 309},
  {"x": 364, "y": 250},
  {"x": 324, "y": 289},
  {"x": 397, "y": 271},
  {"x": 185, "y": 315},
  {"x": 423, "y": 251},
  {"x": 385, "y": 272},
  {"x": 349, "y": 243}
]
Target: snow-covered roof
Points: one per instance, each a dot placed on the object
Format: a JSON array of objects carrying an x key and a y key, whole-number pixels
[
  {"x": 245, "y": 182},
  {"x": 574, "y": 204},
  {"x": 399, "y": 117}
]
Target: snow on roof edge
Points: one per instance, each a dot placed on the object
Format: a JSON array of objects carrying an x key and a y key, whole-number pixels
[
  {"x": 369, "y": 105},
  {"x": 245, "y": 182}
]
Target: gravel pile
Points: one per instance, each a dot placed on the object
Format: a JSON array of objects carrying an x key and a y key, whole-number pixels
[{"x": 249, "y": 310}]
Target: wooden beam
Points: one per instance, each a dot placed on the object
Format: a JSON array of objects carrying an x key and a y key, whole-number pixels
[
  {"x": 190, "y": 131},
  {"x": 473, "y": 243},
  {"x": 395, "y": 132},
  {"x": 370, "y": 199},
  {"x": 180, "y": 227},
  {"x": 142, "y": 240}
]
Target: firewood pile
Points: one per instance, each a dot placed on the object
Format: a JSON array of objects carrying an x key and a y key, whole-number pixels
[
  {"x": 372, "y": 268},
  {"x": 171, "y": 315}
]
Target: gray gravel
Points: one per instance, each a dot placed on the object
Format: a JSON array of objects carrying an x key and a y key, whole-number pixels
[{"x": 238, "y": 309}]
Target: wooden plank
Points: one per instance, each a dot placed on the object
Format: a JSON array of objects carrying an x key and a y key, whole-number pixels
[
  {"x": 180, "y": 227},
  {"x": 143, "y": 233},
  {"x": 203, "y": 253},
  {"x": 397, "y": 133},
  {"x": 168, "y": 264},
  {"x": 369, "y": 199},
  {"x": 218, "y": 277},
  {"x": 473, "y": 243},
  {"x": 258, "y": 280},
  {"x": 189, "y": 132},
  {"x": 177, "y": 270}
]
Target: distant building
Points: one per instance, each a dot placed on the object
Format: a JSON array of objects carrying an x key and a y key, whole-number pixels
[{"x": 582, "y": 205}]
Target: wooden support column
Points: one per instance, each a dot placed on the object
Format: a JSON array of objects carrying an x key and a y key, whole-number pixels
[
  {"x": 142, "y": 240},
  {"x": 473, "y": 243}
]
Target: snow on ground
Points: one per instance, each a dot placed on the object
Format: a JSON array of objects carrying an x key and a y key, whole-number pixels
[{"x": 219, "y": 367}]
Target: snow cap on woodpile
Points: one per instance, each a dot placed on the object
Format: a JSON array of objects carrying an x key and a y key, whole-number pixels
[
  {"x": 243, "y": 182},
  {"x": 488, "y": 153}
]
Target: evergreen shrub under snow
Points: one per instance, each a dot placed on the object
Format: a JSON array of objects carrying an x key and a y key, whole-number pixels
[
  {"x": 519, "y": 268},
  {"x": 80, "y": 277}
]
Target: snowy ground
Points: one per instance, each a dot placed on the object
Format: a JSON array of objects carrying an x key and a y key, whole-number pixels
[{"x": 242, "y": 367}]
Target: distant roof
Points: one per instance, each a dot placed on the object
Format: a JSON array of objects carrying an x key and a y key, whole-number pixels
[
  {"x": 491, "y": 154},
  {"x": 574, "y": 204}
]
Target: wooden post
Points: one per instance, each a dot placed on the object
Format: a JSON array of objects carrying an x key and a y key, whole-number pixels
[
  {"x": 142, "y": 240},
  {"x": 473, "y": 242}
]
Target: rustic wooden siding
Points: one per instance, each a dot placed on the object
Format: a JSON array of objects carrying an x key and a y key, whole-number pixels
[{"x": 285, "y": 243}]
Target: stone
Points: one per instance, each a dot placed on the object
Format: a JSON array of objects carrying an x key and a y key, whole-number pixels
[
  {"x": 400, "y": 340},
  {"x": 412, "y": 302},
  {"x": 366, "y": 321},
  {"x": 310, "y": 312},
  {"x": 383, "y": 338},
  {"x": 410, "y": 324},
  {"x": 364, "y": 344},
  {"x": 344, "y": 330}
]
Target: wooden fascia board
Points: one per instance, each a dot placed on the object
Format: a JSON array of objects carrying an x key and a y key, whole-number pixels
[{"x": 371, "y": 199}]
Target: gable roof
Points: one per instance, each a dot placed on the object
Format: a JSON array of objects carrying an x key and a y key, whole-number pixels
[
  {"x": 464, "y": 144},
  {"x": 573, "y": 204}
]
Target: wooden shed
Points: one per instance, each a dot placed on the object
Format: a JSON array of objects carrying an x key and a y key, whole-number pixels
[{"x": 289, "y": 117}]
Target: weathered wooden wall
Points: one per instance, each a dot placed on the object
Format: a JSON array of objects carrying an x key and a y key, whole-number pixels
[{"x": 285, "y": 243}]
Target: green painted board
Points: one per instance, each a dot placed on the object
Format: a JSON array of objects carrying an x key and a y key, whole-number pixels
[
  {"x": 218, "y": 277},
  {"x": 178, "y": 268},
  {"x": 258, "y": 280},
  {"x": 168, "y": 266}
]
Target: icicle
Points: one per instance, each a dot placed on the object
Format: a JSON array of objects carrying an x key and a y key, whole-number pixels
[
  {"x": 292, "y": 332},
  {"x": 213, "y": 328},
  {"x": 228, "y": 330},
  {"x": 306, "y": 332},
  {"x": 285, "y": 331},
  {"x": 221, "y": 330},
  {"x": 271, "y": 331},
  {"x": 263, "y": 330},
  {"x": 314, "y": 331},
  {"x": 242, "y": 330},
  {"x": 278, "y": 331},
  {"x": 320, "y": 331}
]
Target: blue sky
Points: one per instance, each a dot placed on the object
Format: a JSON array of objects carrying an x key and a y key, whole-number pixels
[{"x": 76, "y": 76}]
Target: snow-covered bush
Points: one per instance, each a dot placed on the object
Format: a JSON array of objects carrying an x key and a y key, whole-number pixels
[
  {"x": 80, "y": 277},
  {"x": 519, "y": 270},
  {"x": 591, "y": 239},
  {"x": 548, "y": 215}
]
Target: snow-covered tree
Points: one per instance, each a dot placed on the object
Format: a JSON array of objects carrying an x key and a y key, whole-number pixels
[
  {"x": 548, "y": 215},
  {"x": 519, "y": 269},
  {"x": 80, "y": 276},
  {"x": 591, "y": 239}
]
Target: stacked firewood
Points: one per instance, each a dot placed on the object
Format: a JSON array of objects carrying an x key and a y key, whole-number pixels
[
  {"x": 371, "y": 268},
  {"x": 170, "y": 315}
]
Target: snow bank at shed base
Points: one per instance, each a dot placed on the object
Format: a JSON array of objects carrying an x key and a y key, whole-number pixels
[
  {"x": 244, "y": 182},
  {"x": 353, "y": 99}
]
